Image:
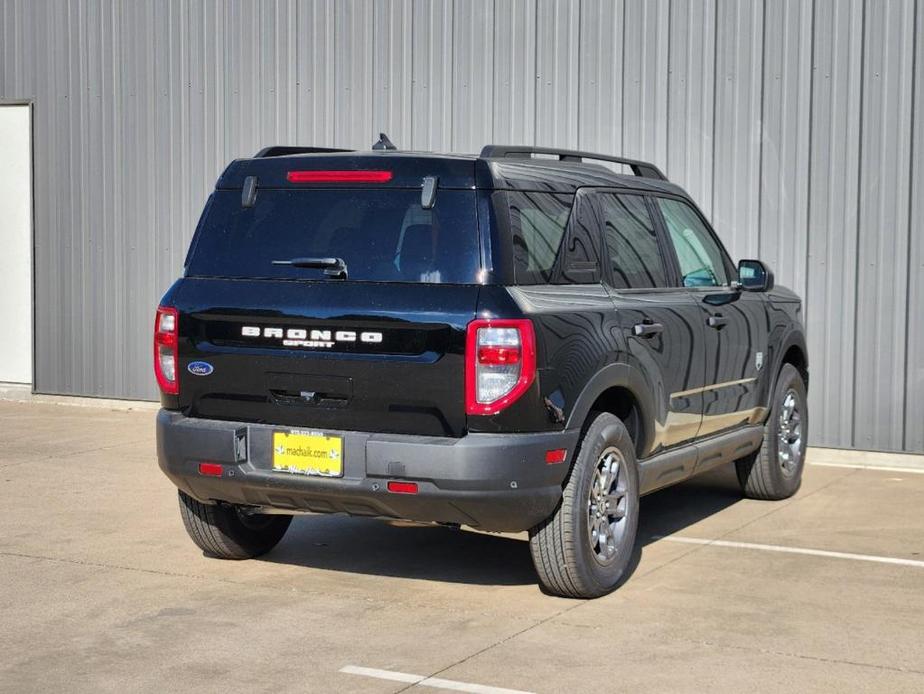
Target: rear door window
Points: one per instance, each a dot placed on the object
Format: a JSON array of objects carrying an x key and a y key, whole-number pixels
[
  {"x": 381, "y": 235},
  {"x": 634, "y": 252}
]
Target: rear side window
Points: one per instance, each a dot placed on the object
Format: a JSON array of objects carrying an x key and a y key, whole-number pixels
[
  {"x": 634, "y": 253},
  {"x": 537, "y": 225},
  {"x": 383, "y": 235},
  {"x": 581, "y": 249}
]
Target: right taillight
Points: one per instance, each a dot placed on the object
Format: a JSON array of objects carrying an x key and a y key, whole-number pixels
[
  {"x": 500, "y": 363},
  {"x": 166, "y": 330}
]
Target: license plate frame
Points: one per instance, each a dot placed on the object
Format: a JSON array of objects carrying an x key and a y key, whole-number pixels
[{"x": 308, "y": 453}]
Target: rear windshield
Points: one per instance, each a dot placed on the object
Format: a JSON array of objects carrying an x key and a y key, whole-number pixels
[{"x": 382, "y": 235}]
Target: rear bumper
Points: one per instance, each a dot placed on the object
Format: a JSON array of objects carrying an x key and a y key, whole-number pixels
[{"x": 495, "y": 482}]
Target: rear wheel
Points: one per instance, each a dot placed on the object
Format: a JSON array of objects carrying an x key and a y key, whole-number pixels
[
  {"x": 774, "y": 471},
  {"x": 228, "y": 532},
  {"x": 583, "y": 550}
]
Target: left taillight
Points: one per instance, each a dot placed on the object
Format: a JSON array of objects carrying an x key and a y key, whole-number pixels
[{"x": 166, "y": 330}]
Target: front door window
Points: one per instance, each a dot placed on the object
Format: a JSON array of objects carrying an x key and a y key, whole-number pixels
[{"x": 699, "y": 256}]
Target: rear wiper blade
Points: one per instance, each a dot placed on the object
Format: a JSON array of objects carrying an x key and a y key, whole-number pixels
[{"x": 333, "y": 267}]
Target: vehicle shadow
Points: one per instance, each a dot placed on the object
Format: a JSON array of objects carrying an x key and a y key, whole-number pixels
[
  {"x": 404, "y": 550},
  {"x": 673, "y": 509},
  {"x": 436, "y": 553}
]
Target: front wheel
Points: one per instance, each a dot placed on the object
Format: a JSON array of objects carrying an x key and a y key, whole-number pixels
[
  {"x": 584, "y": 549},
  {"x": 228, "y": 532},
  {"x": 774, "y": 471}
]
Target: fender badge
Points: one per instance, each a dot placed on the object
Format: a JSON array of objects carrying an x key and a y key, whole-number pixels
[{"x": 200, "y": 368}]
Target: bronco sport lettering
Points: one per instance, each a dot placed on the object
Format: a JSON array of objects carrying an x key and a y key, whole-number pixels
[{"x": 298, "y": 337}]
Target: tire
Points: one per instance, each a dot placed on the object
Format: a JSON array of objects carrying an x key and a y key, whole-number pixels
[
  {"x": 223, "y": 531},
  {"x": 774, "y": 471},
  {"x": 568, "y": 556}
]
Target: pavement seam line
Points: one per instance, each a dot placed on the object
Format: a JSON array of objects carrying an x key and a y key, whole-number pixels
[
  {"x": 491, "y": 646},
  {"x": 771, "y": 651},
  {"x": 103, "y": 565},
  {"x": 73, "y": 453},
  {"x": 778, "y": 506},
  {"x": 173, "y": 574},
  {"x": 421, "y": 681},
  {"x": 207, "y": 577},
  {"x": 814, "y": 658},
  {"x": 697, "y": 548}
]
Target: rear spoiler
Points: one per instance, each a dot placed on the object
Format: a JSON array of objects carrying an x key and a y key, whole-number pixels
[
  {"x": 334, "y": 169},
  {"x": 284, "y": 151}
]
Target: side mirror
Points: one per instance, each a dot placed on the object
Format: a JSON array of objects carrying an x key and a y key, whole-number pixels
[{"x": 754, "y": 276}]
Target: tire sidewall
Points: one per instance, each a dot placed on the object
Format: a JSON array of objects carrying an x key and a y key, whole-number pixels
[
  {"x": 219, "y": 530},
  {"x": 606, "y": 430},
  {"x": 789, "y": 379}
]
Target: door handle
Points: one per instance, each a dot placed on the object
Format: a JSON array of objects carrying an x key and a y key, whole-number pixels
[
  {"x": 647, "y": 329},
  {"x": 716, "y": 321}
]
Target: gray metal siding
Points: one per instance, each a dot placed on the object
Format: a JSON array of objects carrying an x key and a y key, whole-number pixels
[
  {"x": 834, "y": 170},
  {"x": 796, "y": 124},
  {"x": 914, "y": 362}
]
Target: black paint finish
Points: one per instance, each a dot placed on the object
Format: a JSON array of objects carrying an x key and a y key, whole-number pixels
[{"x": 411, "y": 382}]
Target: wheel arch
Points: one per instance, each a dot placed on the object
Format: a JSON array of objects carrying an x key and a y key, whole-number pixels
[
  {"x": 793, "y": 351},
  {"x": 622, "y": 391},
  {"x": 795, "y": 354}
]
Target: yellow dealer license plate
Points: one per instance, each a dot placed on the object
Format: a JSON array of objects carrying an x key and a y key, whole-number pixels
[{"x": 308, "y": 453}]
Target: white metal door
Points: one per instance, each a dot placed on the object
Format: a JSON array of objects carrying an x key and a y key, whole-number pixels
[{"x": 16, "y": 244}]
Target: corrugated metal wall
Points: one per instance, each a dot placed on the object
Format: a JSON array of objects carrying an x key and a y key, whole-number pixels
[{"x": 797, "y": 124}]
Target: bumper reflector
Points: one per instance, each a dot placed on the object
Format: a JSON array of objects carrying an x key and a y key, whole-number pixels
[
  {"x": 210, "y": 469},
  {"x": 555, "y": 456},
  {"x": 402, "y": 487}
]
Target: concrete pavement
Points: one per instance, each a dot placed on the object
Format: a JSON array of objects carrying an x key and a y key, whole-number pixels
[{"x": 101, "y": 590}]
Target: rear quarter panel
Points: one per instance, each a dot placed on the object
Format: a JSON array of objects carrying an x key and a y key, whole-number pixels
[{"x": 576, "y": 338}]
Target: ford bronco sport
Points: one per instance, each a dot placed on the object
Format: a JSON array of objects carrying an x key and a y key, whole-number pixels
[{"x": 528, "y": 339}]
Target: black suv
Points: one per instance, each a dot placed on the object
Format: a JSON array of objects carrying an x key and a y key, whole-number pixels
[{"x": 520, "y": 340}]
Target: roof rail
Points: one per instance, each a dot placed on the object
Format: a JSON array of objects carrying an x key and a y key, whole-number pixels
[
  {"x": 639, "y": 168},
  {"x": 282, "y": 150}
]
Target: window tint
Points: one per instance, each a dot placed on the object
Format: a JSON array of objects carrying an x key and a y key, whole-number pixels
[
  {"x": 581, "y": 253},
  {"x": 631, "y": 242},
  {"x": 381, "y": 235},
  {"x": 537, "y": 225},
  {"x": 701, "y": 260}
]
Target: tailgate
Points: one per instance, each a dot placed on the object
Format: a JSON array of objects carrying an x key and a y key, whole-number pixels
[{"x": 377, "y": 357}]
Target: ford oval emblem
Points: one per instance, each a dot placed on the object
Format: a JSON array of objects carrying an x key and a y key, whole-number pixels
[{"x": 200, "y": 368}]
